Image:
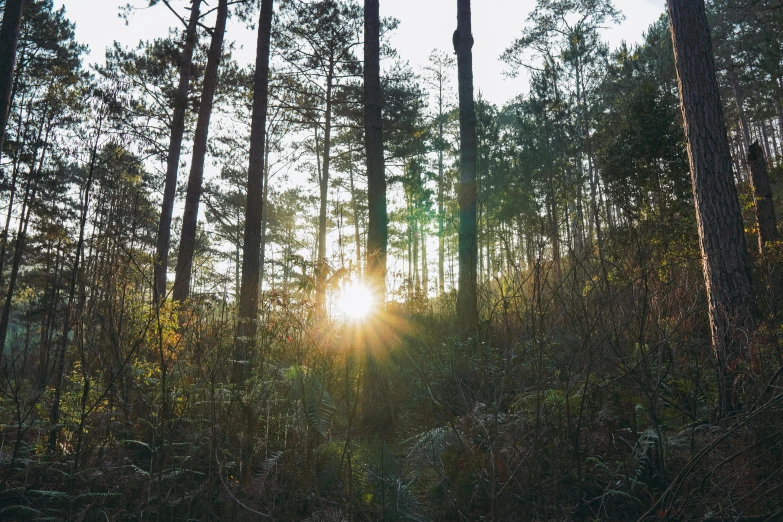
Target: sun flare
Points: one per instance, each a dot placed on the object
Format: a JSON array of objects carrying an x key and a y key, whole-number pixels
[{"x": 355, "y": 301}]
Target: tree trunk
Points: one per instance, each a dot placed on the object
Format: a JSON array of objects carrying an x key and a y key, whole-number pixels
[
  {"x": 9, "y": 37},
  {"x": 175, "y": 148},
  {"x": 467, "y": 298},
  {"x": 187, "y": 243},
  {"x": 355, "y": 208},
  {"x": 425, "y": 275},
  {"x": 264, "y": 217},
  {"x": 732, "y": 304},
  {"x": 377, "y": 224},
  {"x": 743, "y": 120},
  {"x": 779, "y": 110},
  {"x": 774, "y": 139},
  {"x": 415, "y": 245},
  {"x": 441, "y": 217},
  {"x": 321, "y": 276},
  {"x": 765, "y": 208},
  {"x": 251, "y": 246}
]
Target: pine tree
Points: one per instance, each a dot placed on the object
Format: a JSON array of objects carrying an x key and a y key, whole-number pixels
[{"x": 732, "y": 304}]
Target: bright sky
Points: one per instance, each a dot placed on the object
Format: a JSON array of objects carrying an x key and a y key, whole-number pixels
[{"x": 425, "y": 25}]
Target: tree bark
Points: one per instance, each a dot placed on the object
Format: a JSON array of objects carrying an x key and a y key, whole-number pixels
[
  {"x": 355, "y": 207},
  {"x": 779, "y": 109},
  {"x": 732, "y": 304},
  {"x": 377, "y": 224},
  {"x": 187, "y": 243},
  {"x": 321, "y": 276},
  {"x": 765, "y": 208},
  {"x": 441, "y": 217},
  {"x": 9, "y": 37},
  {"x": 264, "y": 216},
  {"x": 251, "y": 247},
  {"x": 467, "y": 298},
  {"x": 175, "y": 148}
]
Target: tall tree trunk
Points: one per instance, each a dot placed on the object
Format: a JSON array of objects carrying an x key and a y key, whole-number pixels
[
  {"x": 251, "y": 246},
  {"x": 355, "y": 208},
  {"x": 9, "y": 37},
  {"x": 776, "y": 102},
  {"x": 774, "y": 139},
  {"x": 187, "y": 243},
  {"x": 765, "y": 208},
  {"x": 732, "y": 304},
  {"x": 175, "y": 148},
  {"x": 467, "y": 298},
  {"x": 743, "y": 120},
  {"x": 762, "y": 129},
  {"x": 320, "y": 287},
  {"x": 767, "y": 223},
  {"x": 425, "y": 275},
  {"x": 415, "y": 245},
  {"x": 264, "y": 217},
  {"x": 441, "y": 217},
  {"x": 377, "y": 224}
]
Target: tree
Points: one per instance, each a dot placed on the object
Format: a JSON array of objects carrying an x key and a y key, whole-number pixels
[
  {"x": 175, "y": 148},
  {"x": 251, "y": 248},
  {"x": 467, "y": 295},
  {"x": 731, "y": 303},
  {"x": 377, "y": 228},
  {"x": 47, "y": 79},
  {"x": 9, "y": 37},
  {"x": 187, "y": 243},
  {"x": 317, "y": 40},
  {"x": 439, "y": 69}
]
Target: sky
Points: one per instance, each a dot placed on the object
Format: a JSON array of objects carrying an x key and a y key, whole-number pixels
[{"x": 425, "y": 25}]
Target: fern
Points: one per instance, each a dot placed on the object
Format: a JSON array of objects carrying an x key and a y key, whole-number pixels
[{"x": 19, "y": 511}]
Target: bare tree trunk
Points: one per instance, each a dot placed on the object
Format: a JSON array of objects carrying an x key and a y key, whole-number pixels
[
  {"x": 765, "y": 208},
  {"x": 415, "y": 244},
  {"x": 264, "y": 217},
  {"x": 743, "y": 120},
  {"x": 187, "y": 243},
  {"x": 320, "y": 287},
  {"x": 765, "y": 139},
  {"x": 425, "y": 276},
  {"x": 377, "y": 224},
  {"x": 467, "y": 297},
  {"x": 9, "y": 37},
  {"x": 355, "y": 208},
  {"x": 774, "y": 139},
  {"x": 776, "y": 101},
  {"x": 251, "y": 246},
  {"x": 175, "y": 148},
  {"x": 732, "y": 304},
  {"x": 441, "y": 217}
]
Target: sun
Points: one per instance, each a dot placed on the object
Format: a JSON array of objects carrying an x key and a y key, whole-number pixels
[{"x": 355, "y": 301}]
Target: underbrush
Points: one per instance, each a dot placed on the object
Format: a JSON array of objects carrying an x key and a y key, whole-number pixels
[{"x": 587, "y": 394}]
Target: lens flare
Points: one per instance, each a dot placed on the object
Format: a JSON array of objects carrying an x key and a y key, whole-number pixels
[{"x": 355, "y": 301}]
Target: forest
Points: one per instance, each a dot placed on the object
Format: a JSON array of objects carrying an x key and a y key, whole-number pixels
[{"x": 331, "y": 286}]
